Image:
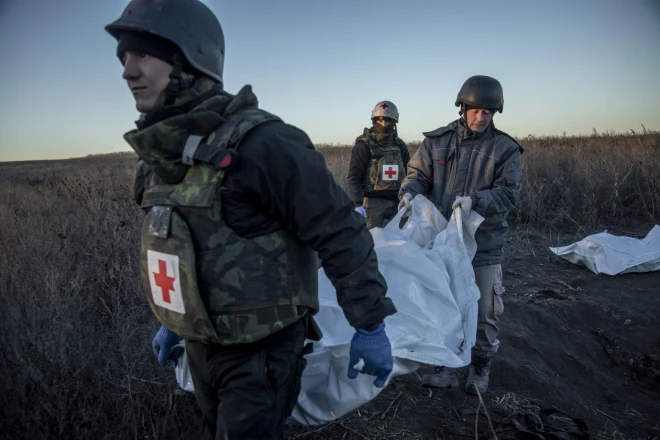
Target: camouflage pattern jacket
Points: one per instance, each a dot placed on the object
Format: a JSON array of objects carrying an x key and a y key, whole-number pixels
[
  {"x": 369, "y": 166},
  {"x": 238, "y": 205},
  {"x": 453, "y": 161}
]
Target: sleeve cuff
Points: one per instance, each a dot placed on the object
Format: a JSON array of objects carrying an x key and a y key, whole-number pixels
[{"x": 475, "y": 201}]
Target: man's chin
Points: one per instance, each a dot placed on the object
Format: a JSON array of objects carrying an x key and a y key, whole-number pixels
[{"x": 143, "y": 107}]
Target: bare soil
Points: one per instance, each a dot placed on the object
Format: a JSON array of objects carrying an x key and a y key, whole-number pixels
[{"x": 585, "y": 344}]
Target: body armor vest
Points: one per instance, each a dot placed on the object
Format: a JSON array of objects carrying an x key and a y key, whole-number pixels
[
  {"x": 386, "y": 169},
  {"x": 203, "y": 281}
]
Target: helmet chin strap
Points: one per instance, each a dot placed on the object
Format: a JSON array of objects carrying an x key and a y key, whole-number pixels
[
  {"x": 463, "y": 114},
  {"x": 177, "y": 82}
]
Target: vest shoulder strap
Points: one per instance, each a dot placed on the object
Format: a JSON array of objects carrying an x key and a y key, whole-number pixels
[{"x": 220, "y": 148}]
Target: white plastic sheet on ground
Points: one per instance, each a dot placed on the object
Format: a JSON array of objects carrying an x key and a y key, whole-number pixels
[
  {"x": 428, "y": 269},
  {"x": 612, "y": 255}
]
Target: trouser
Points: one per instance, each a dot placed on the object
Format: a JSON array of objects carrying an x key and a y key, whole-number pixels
[
  {"x": 491, "y": 307},
  {"x": 246, "y": 391},
  {"x": 379, "y": 211}
]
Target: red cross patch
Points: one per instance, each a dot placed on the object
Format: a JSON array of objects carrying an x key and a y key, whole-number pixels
[
  {"x": 383, "y": 106},
  {"x": 165, "y": 281},
  {"x": 391, "y": 172}
]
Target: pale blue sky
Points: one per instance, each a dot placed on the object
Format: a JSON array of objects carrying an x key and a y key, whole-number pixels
[{"x": 565, "y": 65}]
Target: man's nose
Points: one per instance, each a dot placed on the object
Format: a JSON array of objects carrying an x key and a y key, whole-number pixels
[{"x": 131, "y": 70}]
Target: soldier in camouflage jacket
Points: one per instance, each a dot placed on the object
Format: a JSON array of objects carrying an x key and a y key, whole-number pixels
[
  {"x": 238, "y": 205},
  {"x": 378, "y": 166}
]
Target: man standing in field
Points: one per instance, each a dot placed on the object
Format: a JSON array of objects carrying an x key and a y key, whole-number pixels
[
  {"x": 471, "y": 164},
  {"x": 378, "y": 166},
  {"x": 238, "y": 204}
]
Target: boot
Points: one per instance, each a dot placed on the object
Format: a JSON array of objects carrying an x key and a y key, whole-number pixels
[
  {"x": 442, "y": 378},
  {"x": 479, "y": 371}
]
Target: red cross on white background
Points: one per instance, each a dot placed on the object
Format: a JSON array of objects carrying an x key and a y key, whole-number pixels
[
  {"x": 165, "y": 280},
  {"x": 390, "y": 172},
  {"x": 383, "y": 105}
]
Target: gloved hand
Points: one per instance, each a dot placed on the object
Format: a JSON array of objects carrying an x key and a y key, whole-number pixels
[
  {"x": 405, "y": 201},
  {"x": 375, "y": 350},
  {"x": 362, "y": 211},
  {"x": 162, "y": 345},
  {"x": 465, "y": 203}
]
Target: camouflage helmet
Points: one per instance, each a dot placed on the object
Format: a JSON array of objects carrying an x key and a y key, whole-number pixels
[
  {"x": 189, "y": 24},
  {"x": 481, "y": 91},
  {"x": 385, "y": 109}
]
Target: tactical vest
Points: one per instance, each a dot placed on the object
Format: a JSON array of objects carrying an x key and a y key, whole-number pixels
[
  {"x": 202, "y": 280},
  {"x": 386, "y": 169}
]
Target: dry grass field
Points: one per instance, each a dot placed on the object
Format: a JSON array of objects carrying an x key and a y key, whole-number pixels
[{"x": 76, "y": 356}]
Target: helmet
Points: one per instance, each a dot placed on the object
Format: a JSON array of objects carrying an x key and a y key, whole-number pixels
[
  {"x": 189, "y": 24},
  {"x": 385, "y": 109},
  {"x": 482, "y": 92}
]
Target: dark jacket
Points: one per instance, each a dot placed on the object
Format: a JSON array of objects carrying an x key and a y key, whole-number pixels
[{"x": 283, "y": 183}]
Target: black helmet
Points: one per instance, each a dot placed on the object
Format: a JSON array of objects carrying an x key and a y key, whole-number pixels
[
  {"x": 481, "y": 91},
  {"x": 189, "y": 24}
]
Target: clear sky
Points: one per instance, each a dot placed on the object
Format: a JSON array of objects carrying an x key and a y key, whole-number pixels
[{"x": 565, "y": 65}]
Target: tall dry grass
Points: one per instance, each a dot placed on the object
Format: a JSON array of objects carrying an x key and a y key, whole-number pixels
[
  {"x": 76, "y": 361},
  {"x": 76, "y": 329},
  {"x": 582, "y": 182}
]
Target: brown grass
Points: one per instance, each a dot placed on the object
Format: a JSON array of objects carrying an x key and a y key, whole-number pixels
[
  {"x": 76, "y": 359},
  {"x": 574, "y": 182}
]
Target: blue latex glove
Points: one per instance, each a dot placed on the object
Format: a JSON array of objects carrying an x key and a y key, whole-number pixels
[
  {"x": 375, "y": 350},
  {"x": 361, "y": 210},
  {"x": 162, "y": 345}
]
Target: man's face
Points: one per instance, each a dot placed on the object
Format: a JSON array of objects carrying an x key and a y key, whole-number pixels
[
  {"x": 478, "y": 119},
  {"x": 147, "y": 77},
  {"x": 383, "y": 121}
]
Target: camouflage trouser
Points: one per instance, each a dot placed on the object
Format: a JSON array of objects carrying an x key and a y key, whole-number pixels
[
  {"x": 489, "y": 282},
  {"x": 379, "y": 211},
  {"x": 246, "y": 391}
]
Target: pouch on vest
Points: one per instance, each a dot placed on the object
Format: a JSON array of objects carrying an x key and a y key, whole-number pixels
[{"x": 168, "y": 258}]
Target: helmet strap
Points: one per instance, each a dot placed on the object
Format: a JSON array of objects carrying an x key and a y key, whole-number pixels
[
  {"x": 176, "y": 84},
  {"x": 462, "y": 110}
]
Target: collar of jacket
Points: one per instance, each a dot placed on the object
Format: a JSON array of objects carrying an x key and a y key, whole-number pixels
[
  {"x": 162, "y": 142},
  {"x": 464, "y": 132},
  {"x": 199, "y": 91},
  {"x": 206, "y": 98},
  {"x": 384, "y": 139}
]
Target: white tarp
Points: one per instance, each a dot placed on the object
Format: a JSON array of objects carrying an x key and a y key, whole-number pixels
[
  {"x": 428, "y": 269},
  {"x": 612, "y": 255}
]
